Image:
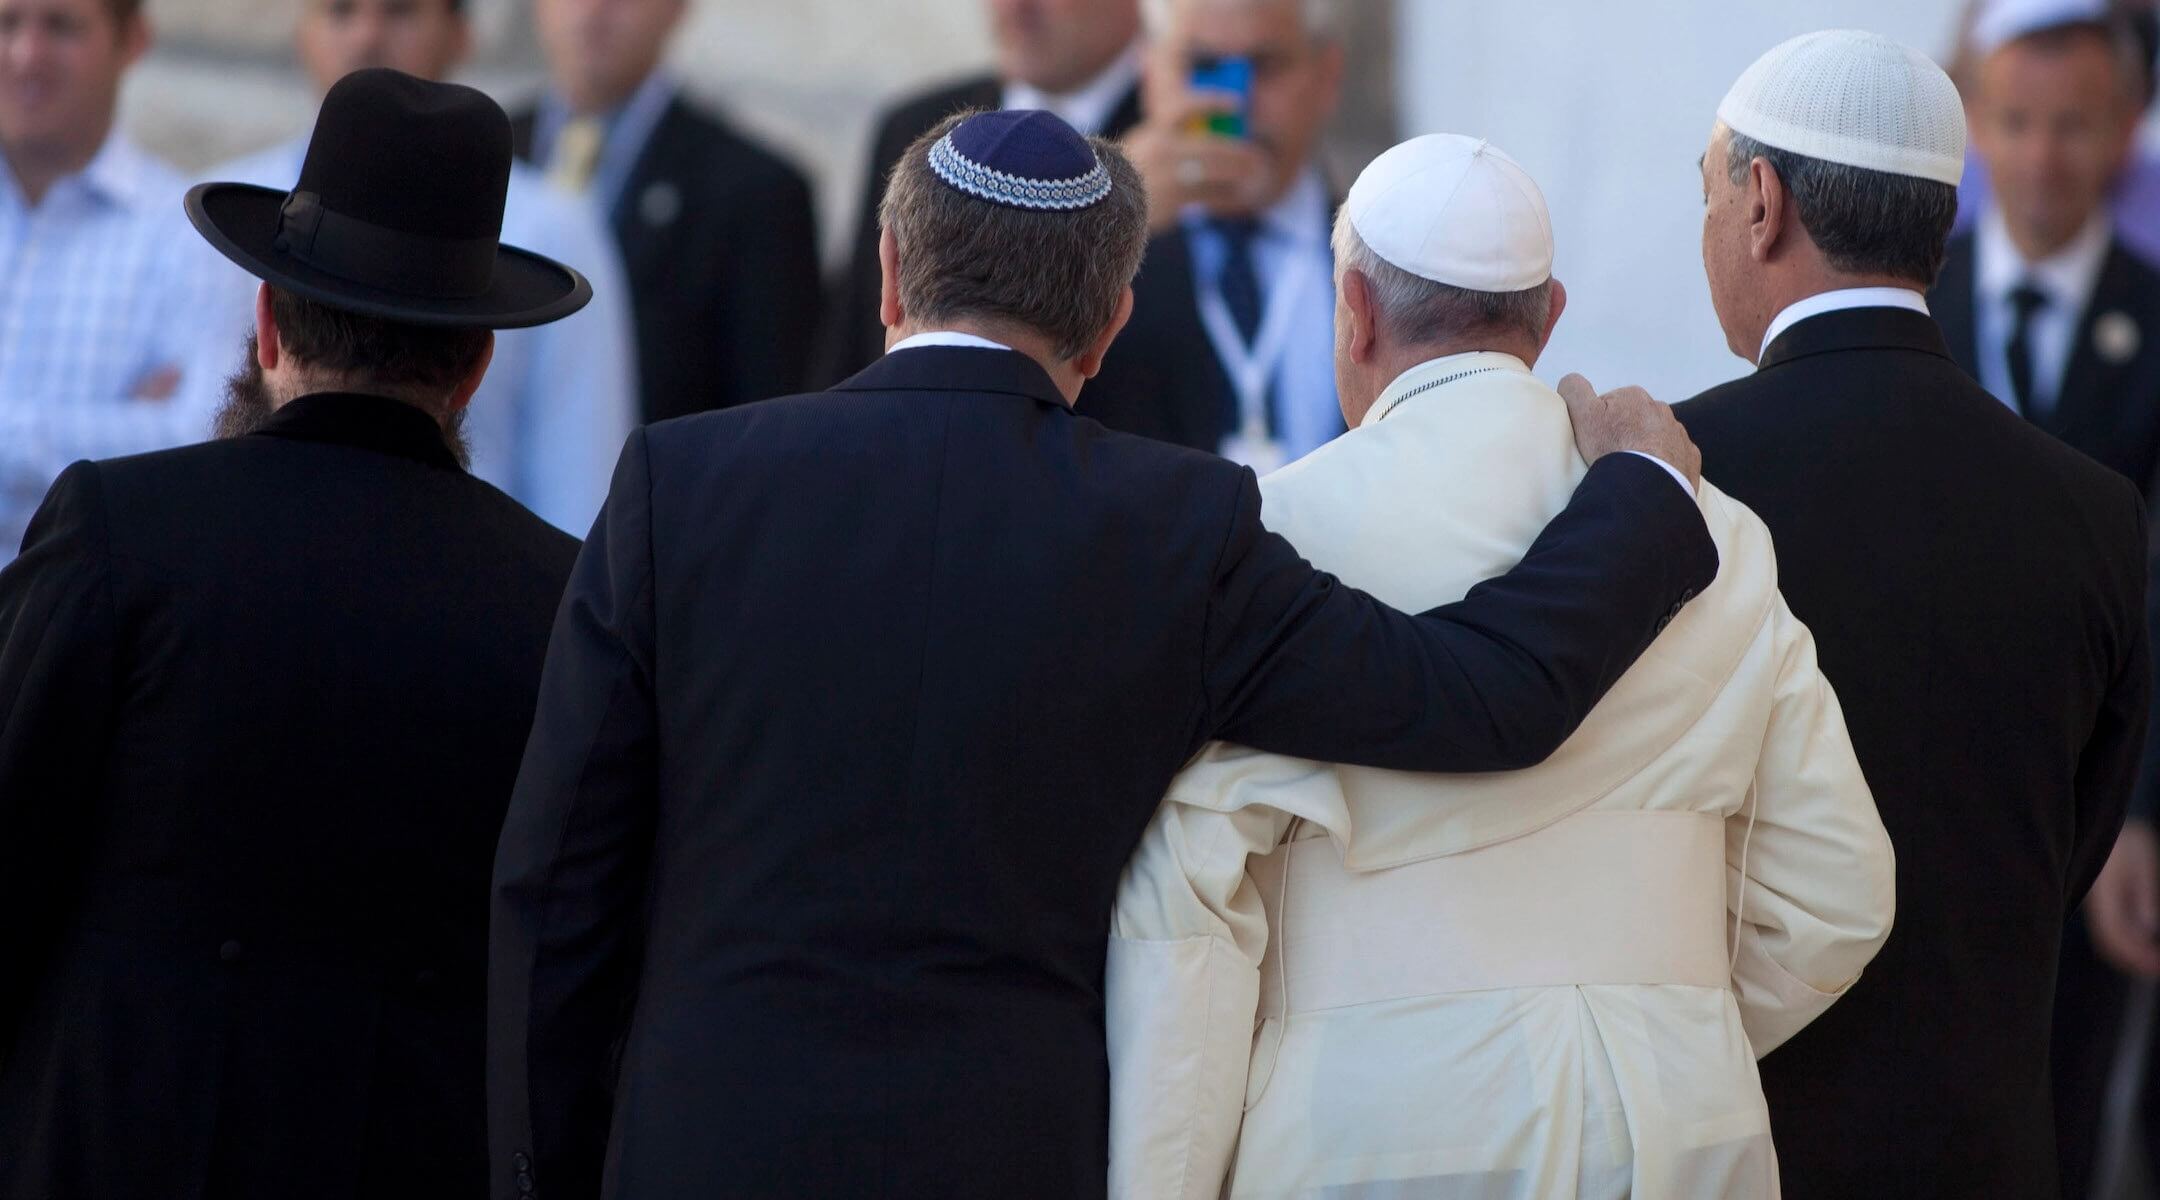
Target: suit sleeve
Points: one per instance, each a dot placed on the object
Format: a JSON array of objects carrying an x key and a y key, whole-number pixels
[
  {"x": 2145, "y": 799},
  {"x": 2108, "y": 769},
  {"x": 773, "y": 293},
  {"x": 1811, "y": 875},
  {"x": 570, "y": 871},
  {"x": 1300, "y": 664},
  {"x": 58, "y": 651}
]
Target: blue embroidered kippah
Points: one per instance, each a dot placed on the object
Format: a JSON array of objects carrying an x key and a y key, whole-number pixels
[{"x": 1021, "y": 158}]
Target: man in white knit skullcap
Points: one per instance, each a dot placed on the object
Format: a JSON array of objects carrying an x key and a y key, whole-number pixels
[
  {"x": 1976, "y": 590},
  {"x": 1509, "y": 986}
]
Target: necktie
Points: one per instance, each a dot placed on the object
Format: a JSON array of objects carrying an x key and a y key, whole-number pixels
[
  {"x": 1240, "y": 286},
  {"x": 1240, "y": 281},
  {"x": 577, "y": 151},
  {"x": 2025, "y": 301}
]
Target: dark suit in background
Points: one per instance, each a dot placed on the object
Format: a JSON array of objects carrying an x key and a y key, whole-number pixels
[
  {"x": 719, "y": 245},
  {"x": 854, "y": 336},
  {"x": 857, "y": 705},
  {"x": 1976, "y": 590},
  {"x": 261, "y": 707},
  {"x": 2107, "y": 405}
]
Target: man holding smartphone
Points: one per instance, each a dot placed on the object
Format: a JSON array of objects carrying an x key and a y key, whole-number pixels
[{"x": 1231, "y": 344}]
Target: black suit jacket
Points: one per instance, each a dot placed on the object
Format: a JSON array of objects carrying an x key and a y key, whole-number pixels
[
  {"x": 2107, "y": 407},
  {"x": 854, "y": 337},
  {"x": 1976, "y": 591},
  {"x": 261, "y": 705},
  {"x": 858, "y": 703},
  {"x": 719, "y": 244}
]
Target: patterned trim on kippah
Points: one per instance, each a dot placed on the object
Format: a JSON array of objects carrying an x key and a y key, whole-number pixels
[{"x": 964, "y": 173}]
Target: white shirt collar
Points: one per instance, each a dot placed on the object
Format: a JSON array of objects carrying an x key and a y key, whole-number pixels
[
  {"x": 2067, "y": 276},
  {"x": 1439, "y": 372},
  {"x": 119, "y": 174},
  {"x": 1838, "y": 300},
  {"x": 946, "y": 338},
  {"x": 1086, "y": 108}
]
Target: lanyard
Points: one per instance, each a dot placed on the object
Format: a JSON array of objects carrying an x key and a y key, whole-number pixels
[{"x": 1251, "y": 367}]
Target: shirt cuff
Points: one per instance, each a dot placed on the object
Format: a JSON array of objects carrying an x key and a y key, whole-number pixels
[{"x": 1670, "y": 469}]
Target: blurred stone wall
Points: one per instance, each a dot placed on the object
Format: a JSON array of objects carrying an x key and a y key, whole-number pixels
[{"x": 806, "y": 76}]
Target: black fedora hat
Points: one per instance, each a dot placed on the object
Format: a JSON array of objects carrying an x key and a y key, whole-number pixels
[{"x": 398, "y": 213}]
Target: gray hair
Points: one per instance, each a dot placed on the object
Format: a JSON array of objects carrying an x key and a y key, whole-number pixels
[
  {"x": 1060, "y": 274},
  {"x": 1417, "y": 311},
  {"x": 1864, "y": 222},
  {"x": 1323, "y": 19}
]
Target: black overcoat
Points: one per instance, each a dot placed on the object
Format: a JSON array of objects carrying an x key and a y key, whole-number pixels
[{"x": 261, "y": 706}]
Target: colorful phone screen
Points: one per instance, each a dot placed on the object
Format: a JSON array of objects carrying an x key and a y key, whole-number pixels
[{"x": 1231, "y": 77}]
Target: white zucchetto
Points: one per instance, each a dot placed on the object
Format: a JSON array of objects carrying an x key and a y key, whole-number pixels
[
  {"x": 1856, "y": 98},
  {"x": 2004, "y": 21},
  {"x": 1457, "y": 211}
]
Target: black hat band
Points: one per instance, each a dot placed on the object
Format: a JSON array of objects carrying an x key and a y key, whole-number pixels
[{"x": 380, "y": 257}]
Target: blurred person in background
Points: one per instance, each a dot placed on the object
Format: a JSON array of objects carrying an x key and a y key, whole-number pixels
[
  {"x": 558, "y": 399},
  {"x": 1080, "y": 59},
  {"x": 264, "y": 700},
  {"x": 1231, "y": 344},
  {"x": 1976, "y": 590},
  {"x": 717, "y": 234},
  {"x": 2051, "y": 310},
  {"x": 102, "y": 288},
  {"x": 2135, "y": 192}
]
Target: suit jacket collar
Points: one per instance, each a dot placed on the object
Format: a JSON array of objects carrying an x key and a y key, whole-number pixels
[
  {"x": 364, "y": 422},
  {"x": 956, "y": 369},
  {"x": 1857, "y": 329}
]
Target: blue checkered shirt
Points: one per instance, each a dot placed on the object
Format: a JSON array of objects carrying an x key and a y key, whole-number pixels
[{"x": 103, "y": 287}]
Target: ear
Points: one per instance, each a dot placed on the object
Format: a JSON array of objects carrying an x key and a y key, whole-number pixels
[
  {"x": 267, "y": 350},
  {"x": 460, "y": 39},
  {"x": 1364, "y": 313},
  {"x": 471, "y": 383},
  {"x": 1090, "y": 360},
  {"x": 1330, "y": 67},
  {"x": 135, "y": 39},
  {"x": 1558, "y": 292},
  {"x": 1769, "y": 206},
  {"x": 890, "y": 314}
]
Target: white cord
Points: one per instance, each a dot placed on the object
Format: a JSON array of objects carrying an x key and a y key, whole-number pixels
[{"x": 1740, "y": 906}]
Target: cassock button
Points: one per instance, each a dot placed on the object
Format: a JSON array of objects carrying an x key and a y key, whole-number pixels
[{"x": 229, "y": 952}]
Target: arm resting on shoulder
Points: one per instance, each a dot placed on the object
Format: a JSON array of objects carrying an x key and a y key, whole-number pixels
[{"x": 1300, "y": 664}]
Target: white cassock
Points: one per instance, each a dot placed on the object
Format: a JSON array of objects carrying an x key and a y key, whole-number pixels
[{"x": 1334, "y": 981}]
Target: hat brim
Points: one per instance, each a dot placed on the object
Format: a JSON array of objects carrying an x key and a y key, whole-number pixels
[{"x": 241, "y": 221}]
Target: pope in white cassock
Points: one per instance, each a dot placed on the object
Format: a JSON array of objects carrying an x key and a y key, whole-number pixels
[{"x": 1550, "y": 983}]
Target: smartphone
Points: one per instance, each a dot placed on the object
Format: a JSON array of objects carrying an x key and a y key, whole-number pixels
[{"x": 1230, "y": 76}]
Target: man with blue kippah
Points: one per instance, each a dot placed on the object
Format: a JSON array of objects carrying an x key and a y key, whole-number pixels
[{"x": 859, "y": 701}]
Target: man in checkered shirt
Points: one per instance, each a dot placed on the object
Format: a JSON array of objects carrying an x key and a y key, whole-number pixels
[{"x": 104, "y": 349}]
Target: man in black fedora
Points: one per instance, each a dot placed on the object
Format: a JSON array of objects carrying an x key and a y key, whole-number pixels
[{"x": 261, "y": 707}]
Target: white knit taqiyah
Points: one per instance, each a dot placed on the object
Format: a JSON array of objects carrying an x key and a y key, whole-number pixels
[
  {"x": 2004, "y": 21},
  {"x": 1846, "y": 96}
]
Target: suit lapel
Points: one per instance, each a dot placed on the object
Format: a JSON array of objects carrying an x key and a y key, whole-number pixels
[
  {"x": 1125, "y": 117},
  {"x": 2096, "y": 374}
]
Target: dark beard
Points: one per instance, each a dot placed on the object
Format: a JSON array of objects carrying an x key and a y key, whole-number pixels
[{"x": 247, "y": 408}]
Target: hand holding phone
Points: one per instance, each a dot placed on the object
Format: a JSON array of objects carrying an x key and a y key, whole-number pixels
[{"x": 1230, "y": 78}]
